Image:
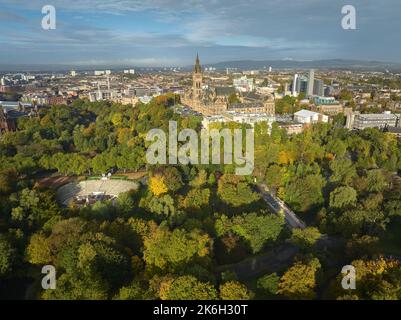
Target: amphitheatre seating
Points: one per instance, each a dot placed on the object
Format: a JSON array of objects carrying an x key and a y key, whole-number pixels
[{"x": 69, "y": 192}]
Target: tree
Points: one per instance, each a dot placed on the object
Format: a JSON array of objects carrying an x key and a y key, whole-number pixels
[
  {"x": 7, "y": 256},
  {"x": 299, "y": 281},
  {"x": 235, "y": 191},
  {"x": 78, "y": 286},
  {"x": 377, "y": 279},
  {"x": 343, "y": 171},
  {"x": 376, "y": 181},
  {"x": 8, "y": 178},
  {"x": 304, "y": 193},
  {"x": 38, "y": 250},
  {"x": 125, "y": 203},
  {"x": 131, "y": 292},
  {"x": 157, "y": 185},
  {"x": 200, "y": 180},
  {"x": 171, "y": 250},
  {"x": 343, "y": 197},
  {"x": 232, "y": 98},
  {"x": 305, "y": 238},
  {"x": 196, "y": 199},
  {"x": 254, "y": 228},
  {"x": 233, "y": 290},
  {"x": 267, "y": 286},
  {"x": 189, "y": 288},
  {"x": 173, "y": 179}
]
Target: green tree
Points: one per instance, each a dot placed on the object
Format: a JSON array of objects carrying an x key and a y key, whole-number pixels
[
  {"x": 267, "y": 286},
  {"x": 343, "y": 197},
  {"x": 171, "y": 250},
  {"x": 305, "y": 238},
  {"x": 7, "y": 256},
  {"x": 233, "y": 290},
  {"x": 258, "y": 230},
  {"x": 235, "y": 191}
]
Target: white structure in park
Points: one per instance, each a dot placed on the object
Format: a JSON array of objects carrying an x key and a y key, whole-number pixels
[
  {"x": 309, "y": 117},
  {"x": 94, "y": 188}
]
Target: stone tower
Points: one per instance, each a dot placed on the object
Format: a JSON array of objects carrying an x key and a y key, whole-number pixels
[{"x": 197, "y": 80}]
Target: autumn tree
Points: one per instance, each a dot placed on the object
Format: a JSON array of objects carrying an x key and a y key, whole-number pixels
[
  {"x": 233, "y": 290},
  {"x": 157, "y": 185},
  {"x": 299, "y": 282}
]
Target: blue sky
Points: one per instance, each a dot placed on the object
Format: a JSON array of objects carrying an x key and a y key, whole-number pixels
[{"x": 170, "y": 32}]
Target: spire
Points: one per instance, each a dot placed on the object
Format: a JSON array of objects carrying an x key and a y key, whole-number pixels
[{"x": 198, "y": 68}]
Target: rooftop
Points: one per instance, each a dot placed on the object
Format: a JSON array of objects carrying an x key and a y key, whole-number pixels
[
  {"x": 374, "y": 116},
  {"x": 306, "y": 113}
]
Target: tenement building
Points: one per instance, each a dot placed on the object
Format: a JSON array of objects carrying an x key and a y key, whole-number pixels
[{"x": 218, "y": 100}]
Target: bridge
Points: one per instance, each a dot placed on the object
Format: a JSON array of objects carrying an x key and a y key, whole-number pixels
[{"x": 278, "y": 206}]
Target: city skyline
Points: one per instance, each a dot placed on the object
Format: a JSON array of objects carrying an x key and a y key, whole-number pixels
[{"x": 167, "y": 33}]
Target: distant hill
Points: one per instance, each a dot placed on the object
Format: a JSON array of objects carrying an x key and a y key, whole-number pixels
[
  {"x": 343, "y": 64},
  {"x": 318, "y": 64}
]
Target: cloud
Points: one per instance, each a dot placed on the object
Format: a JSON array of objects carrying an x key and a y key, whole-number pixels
[{"x": 172, "y": 30}]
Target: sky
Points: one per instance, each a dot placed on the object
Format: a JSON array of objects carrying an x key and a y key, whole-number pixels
[{"x": 171, "y": 32}]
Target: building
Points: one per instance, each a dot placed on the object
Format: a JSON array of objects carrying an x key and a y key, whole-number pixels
[
  {"x": 244, "y": 84},
  {"x": 301, "y": 85},
  {"x": 311, "y": 82},
  {"x": 57, "y": 100},
  {"x": 291, "y": 127},
  {"x": 11, "y": 111},
  {"x": 210, "y": 101},
  {"x": 129, "y": 71},
  {"x": 245, "y": 118},
  {"x": 359, "y": 121},
  {"x": 294, "y": 85},
  {"x": 396, "y": 131},
  {"x": 327, "y": 105},
  {"x": 318, "y": 87},
  {"x": 310, "y": 117}
]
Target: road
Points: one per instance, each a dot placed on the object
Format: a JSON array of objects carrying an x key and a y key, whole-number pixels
[
  {"x": 278, "y": 206},
  {"x": 281, "y": 258}
]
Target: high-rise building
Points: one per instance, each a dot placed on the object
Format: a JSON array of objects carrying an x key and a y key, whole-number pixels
[
  {"x": 318, "y": 87},
  {"x": 294, "y": 85},
  {"x": 311, "y": 82},
  {"x": 302, "y": 85}
]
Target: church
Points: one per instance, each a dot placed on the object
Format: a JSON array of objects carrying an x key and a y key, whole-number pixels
[{"x": 215, "y": 101}]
